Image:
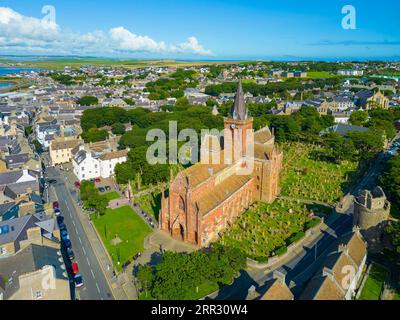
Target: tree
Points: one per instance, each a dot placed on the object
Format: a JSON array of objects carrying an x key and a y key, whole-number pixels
[
  {"x": 340, "y": 148},
  {"x": 358, "y": 118},
  {"x": 28, "y": 130},
  {"x": 118, "y": 128},
  {"x": 390, "y": 180},
  {"x": 95, "y": 135},
  {"x": 146, "y": 277},
  {"x": 383, "y": 125},
  {"x": 368, "y": 143},
  {"x": 87, "y": 101},
  {"x": 393, "y": 230},
  {"x": 129, "y": 101}
]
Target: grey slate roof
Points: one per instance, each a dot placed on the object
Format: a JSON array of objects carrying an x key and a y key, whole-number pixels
[
  {"x": 16, "y": 228},
  {"x": 17, "y": 159},
  {"x": 344, "y": 129},
  {"x": 30, "y": 259}
]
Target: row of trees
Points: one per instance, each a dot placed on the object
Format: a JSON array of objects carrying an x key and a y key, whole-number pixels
[{"x": 188, "y": 276}]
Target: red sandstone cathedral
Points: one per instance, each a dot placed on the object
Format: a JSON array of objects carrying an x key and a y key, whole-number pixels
[{"x": 207, "y": 198}]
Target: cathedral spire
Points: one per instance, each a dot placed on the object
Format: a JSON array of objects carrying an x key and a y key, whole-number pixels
[{"x": 239, "y": 111}]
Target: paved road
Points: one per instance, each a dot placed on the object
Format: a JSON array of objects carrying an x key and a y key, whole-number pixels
[
  {"x": 299, "y": 269},
  {"x": 96, "y": 286}
]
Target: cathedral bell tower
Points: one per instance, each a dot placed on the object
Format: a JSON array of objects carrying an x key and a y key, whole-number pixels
[{"x": 239, "y": 126}]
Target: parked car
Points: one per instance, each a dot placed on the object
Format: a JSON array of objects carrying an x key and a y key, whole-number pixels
[
  {"x": 52, "y": 181},
  {"x": 97, "y": 180},
  {"x": 78, "y": 281},
  {"x": 56, "y": 205},
  {"x": 108, "y": 188},
  {"x": 62, "y": 226},
  {"x": 102, "y": 189},
  {"x": 77, "y": 184},
  {"x": 57, "y": 212},
  {"x": 70, "y": 254},
  {"x": 64, "y": 235},
  {"x": 67, "y": 244},
  {"x": 74, "y": 268},
  {"x": 60, "y": 219}
]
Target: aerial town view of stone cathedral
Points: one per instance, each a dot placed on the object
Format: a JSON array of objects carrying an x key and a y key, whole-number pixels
[{"x": 199, "y": 159}]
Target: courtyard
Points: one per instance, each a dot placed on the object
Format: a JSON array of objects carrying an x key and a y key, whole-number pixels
[{"x": 122, "y": 232}]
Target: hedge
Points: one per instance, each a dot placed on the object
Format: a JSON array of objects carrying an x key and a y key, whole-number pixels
[
  {"x": 311, "y": 224},
  {"x": 281, "y": 251},
  {"x": 261, "y": 259},
  {"x": 296, "y": 237}
]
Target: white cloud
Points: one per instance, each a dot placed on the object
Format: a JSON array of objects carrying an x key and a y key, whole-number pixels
[{"x": 32, "y": 35}]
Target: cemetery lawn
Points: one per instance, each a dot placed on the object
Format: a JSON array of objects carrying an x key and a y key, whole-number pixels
[
  {"x": 129, "y": 228},
  {"x": 263, "y": 229},
  {"x": 305, "y": 177}
]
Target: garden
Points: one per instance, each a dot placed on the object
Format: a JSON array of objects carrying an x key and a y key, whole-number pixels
[
  {"x": 122, "y": 232},
  {"x": 304, "y": 176},
  {"x": 267, "y": 229}
]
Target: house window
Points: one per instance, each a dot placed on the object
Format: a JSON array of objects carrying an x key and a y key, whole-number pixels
[
  {"x": 39, "y": 295},
  {"x": 83, "y": 168}
]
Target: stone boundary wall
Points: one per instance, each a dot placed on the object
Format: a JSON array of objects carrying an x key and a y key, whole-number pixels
[{"x": 273, "y": 260}]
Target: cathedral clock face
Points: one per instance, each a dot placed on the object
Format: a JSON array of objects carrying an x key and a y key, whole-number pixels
[{"x": 233, "y": 126}]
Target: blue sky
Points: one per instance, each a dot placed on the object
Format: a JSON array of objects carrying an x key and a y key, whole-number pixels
[{"x": 284, "y": 29}]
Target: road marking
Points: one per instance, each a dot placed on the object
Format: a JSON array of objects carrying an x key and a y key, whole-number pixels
[
  {"x": 98, "y": 289},
  {"x": 87, "y": 259},
  {"x": 80, "y": 241},
  {"x": 91, "y": 271},
  {"x": 73, "y": 222},
  {"x": 84, "y": 251}
]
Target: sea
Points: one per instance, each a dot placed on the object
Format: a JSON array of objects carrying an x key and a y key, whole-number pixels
[{"x": 4, "y": 71}]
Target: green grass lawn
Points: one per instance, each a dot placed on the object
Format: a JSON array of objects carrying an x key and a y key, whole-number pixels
[
  {"x": 305, "y": 177},
  {"x": 259, "y": 232},
  {"x": 374, "y": 284},
  {"x": 112, "y": 195},
  {"x": 129, "y": 227},
  {"x": 320, "y": 74}
]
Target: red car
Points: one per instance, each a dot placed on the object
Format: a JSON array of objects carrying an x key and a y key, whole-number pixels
[
  {"x": 77, "y": 184},
  {"x": 56, "y": 205},
  {"x": 97, "y": 180},
  {"x": 74, "y": 268}
]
